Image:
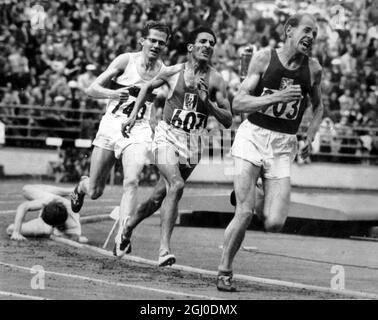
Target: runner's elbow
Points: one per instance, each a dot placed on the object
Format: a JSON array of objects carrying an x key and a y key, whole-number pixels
[
  {"x": 228, "y": 122},
  {"x": 151, "y": 85},
  {"x": 89, "y": 91},
  {"x": 237, "y": 105},
  {"x": 92, "y": 90}
]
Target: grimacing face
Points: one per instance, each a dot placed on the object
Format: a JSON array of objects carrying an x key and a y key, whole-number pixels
[
  {"x": 203, "y": 47},
  {"x": 303, "y": 36},
  {"x": 154, "y": 43}
]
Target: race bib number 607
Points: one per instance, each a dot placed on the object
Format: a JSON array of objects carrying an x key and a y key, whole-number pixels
[{"x": 188, "y": 120}]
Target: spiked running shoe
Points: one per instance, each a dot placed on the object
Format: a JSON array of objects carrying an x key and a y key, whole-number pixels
[
  {"x": 225, "y": 283},
  {"x": 122, "y": 246},
  {"x": 77, "y": 198},
  {"x": 167, "y": 259}
]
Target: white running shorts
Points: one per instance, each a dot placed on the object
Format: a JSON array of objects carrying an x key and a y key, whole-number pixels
[{"x": 273, "y": 151}]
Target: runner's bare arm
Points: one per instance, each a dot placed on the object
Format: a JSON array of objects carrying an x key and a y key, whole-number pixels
[
  {"x": 245, "y": 101},
  {"x": 140, "y": 101},
  {"x": 144, "y": 90},
  {"x": 22, "y": 210},
  {"x": 154, "y": 83},
  {"x": 158, "y": 104},
  {"x": 316, "y": 101},
  {"x": 218, "y": 103},
  {"x": 317, "y": 108},
  {"x": 97, "y": 89}
]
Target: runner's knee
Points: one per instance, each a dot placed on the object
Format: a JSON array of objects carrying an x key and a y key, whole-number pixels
[
  {"x": 177, "y": 185},
  {"x": 273, "y": 225},
  {"x": 244, "y": 216},
  {"x": 130, "y": 183}
]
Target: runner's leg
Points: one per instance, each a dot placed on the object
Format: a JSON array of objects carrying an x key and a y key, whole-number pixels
[
  {"x": 133, "y": 160},
  {"x": 277, "y": 200},
  {"x": 147, "y": 208},
  {"x": 102, "y": 160},
  {"x": 153, "y": 203},
  {"x": 169, "y": 169},
  {"x": 244, "y": 184}
]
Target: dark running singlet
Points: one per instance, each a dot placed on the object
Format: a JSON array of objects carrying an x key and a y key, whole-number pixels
[
  {"x": 282, "y": 117},
  {"x": 184, "y": 109}
]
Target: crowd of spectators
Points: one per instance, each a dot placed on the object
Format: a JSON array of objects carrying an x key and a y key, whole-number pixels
[{"x": 50, "y": 51}]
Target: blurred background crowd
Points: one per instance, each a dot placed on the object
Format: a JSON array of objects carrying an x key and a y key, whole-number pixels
[{"x": 50, "y": 51}]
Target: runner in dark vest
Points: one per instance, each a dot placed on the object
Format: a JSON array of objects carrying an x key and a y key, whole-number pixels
[
  {"x": 283, "y": 117},
  {"x": 274, "y": 94}
]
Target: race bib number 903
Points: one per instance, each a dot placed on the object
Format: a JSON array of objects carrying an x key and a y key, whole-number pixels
[
  {"x": 188, "y": 120},
  {"x": 282, "y": 110}
]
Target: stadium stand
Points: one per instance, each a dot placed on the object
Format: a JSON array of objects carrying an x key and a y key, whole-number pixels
[{"x": 50, "y": 53}]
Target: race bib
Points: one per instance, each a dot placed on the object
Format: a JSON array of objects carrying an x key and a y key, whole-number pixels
[
  {"x": 188, "y": 120},
  {"x": 125, "y": 109},
  {"x": 281, "y": 110}
]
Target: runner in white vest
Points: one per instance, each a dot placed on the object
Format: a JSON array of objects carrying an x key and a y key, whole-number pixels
[{"x": 125, "y": 75}]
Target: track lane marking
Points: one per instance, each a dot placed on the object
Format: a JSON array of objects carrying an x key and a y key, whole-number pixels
[
  {"x": 19, "y": 295},
  {"x": 7, "y": 211},
  {"x": 89, "y": 208},
  {"x": 112, "y": 283},
  {"x": 287, "y": 284}
]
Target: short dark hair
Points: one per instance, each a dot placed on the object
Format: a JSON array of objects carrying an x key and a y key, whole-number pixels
[
  {"x": 294, "y": 21},
  {"x": 162, "y": 27},
  {"x": 54, "y": 214},
  {"x": 193, "y": 34}
]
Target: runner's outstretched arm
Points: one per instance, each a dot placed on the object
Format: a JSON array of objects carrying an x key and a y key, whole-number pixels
[
  {"x": 144, "y": 90},
  {"x": 97, "y": 89},
  {"x": 22, "y": 210}
]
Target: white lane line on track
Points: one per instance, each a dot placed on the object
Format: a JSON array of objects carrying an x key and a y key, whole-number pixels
[
  {"x": 287, "y": 284},
  {"x": 187, "y": 195},
  {"x": 87, "y": 208},
  {"x": 112, "y": 283},
  {"x": 7, "y": 211},
  {"x": 23, "y": 199},
  {"x": 18, "y": 295},
  {"x": 86, "y": 218}
]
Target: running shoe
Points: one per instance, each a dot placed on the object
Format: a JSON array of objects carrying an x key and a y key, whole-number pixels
[
  {"x": 225, "y": 282},
  {"x": 77, "y": 198},
  {"x": 122, "y": 246},
  {"x": 167, "y": 259}
]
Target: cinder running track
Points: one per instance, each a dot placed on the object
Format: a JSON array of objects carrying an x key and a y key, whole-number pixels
[{"x": 72, "y": 273}]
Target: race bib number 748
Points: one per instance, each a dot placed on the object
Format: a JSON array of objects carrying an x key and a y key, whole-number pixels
[
  {"x": 188, "y": 120},
  {"x": 127, "y": 108}
]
